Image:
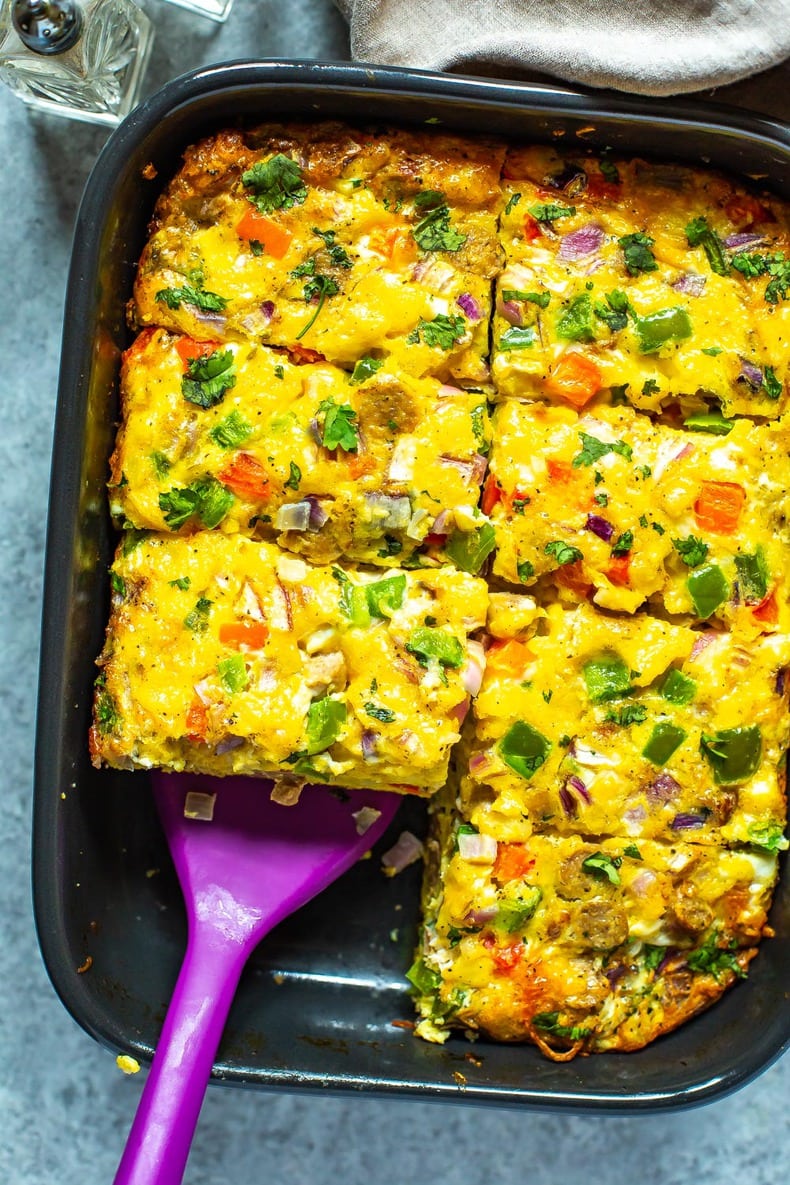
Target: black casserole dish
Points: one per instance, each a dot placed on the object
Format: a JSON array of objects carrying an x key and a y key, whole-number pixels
[{"x": 316, "y": 1005}]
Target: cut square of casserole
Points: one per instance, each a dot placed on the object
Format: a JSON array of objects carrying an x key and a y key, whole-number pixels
[
  {"x": 332, "y": 241},
  {"x": 582, "y": 946},
  {"x": 606, "y": 725},
  {"x": 640, "y": 280},
  {"x": 613, "y": 505},
  {"x": 225, "y": 655},
  {"x": 239, "y": 438}
]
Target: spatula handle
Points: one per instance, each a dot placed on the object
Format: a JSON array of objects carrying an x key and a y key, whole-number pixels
[{"x": 158, "y": 1145}]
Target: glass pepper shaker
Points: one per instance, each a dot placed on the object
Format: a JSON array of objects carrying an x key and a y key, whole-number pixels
[{"x": 80, "y": 59}]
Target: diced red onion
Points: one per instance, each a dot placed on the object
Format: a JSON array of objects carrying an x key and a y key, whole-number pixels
[
  {"x": 204, "y": 691},
  {"x": 690, "y": 284},
  {"x": 662, "y": 789},
  {"x": 267, "y": 309},
  {"x": 477, "y": 849},
  {"x": 404, "y": 852},
  {"x": 479, "y": 467},
  {"x": 590, "y": 757},
  {"x": 318, "y": 516},
  {"x": 446, "y": 391},
  {"x": 420, "y": 268},
  {"x": 743, "y": 238},
  {"x": 470, "y": 306},
  {"x": 481, "y": 917},
  {"x": 364, "y": 818},
  {"x": 579, "y": 243},
  {"x": 314, "y": 429},
  {"x": 472, "y": 674},
  {"x": 414, "y": 528},
  {"x": 460, "y": 711},
  {"x": 701, "y": 643},
  {"x": 293, "y": 516},
  {"x": 248, "y": 603},
  {"x": 671, "y": 952},
  {"x": 643, "y": 882},
  {"x": 228, "y": 744},
  {"x": 463, "y": 467},
  {"x": 510, "y": 311},
  {"x": 779, "y": 683},
  {"x": 389, "y": 511},
  {"x": 441, "y": 523},
  {"x": 635, "y": 814},
  {"x": 198, "y": 805},
  {"x": 214, "y": 321},
  {"x": 368, "y": 743},
  {"x": 751, "y": 374},
  {"x": 568, "y": 802},
  {"x": 578, "y": 785},
  {"x": 615, "y": 973},
  {"x": 687, "y": 822},
  {"x": 287, "y": 790},
  {"x": 600, "y": 527},
  {"x": 686, "y": 451},
  {"x": 479, "y": 763}
]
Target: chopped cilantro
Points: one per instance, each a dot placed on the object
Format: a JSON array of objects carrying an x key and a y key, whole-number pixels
[
  {"x": 206, "y": 499},
  {"x": 650, "y": 387},
  {"x": 711, "y": 959},
  {"x": 513, "y": 201},
  {"x": 182, "y": 582},
  {"x": 593, "y": 449},
  {"x": 624, "y": 543},
  {"x": 337, "y": 254},
  {"x": 548, "y": 1022},
  {"x": 627, "y": 714},
  {"x": 609, "y": 172},
  {"x": 768, "y": 836},
  {"x": 614, "y": 313},
  {"x": 208, "y": 378},
  {"x": 442, "y": 332},
  {"x": 700, "y": 234},
  {"x": 364, "y": 368},
  {"x": 199, "y": 298},
  {"x": 108, "y": 718},
  {"x": 771, "y": 384},
  {"x": 118, "y": 584},
  {"x": 231, "y": 432},
  {"x": 541, "y": 299},
  {"x": 712, "y": 351},
  {"x": 276, "y": 184},
  {"x": 385, "y": 715},
  {"x": 602, "y": 865},
  {"x": 637, "y": 253},
  {"x": 525, "y": 570},
  {"x": 433, "y": 232},
  {"x": 550, "y": 211},
  {"x": 294, "y": 477},
  {"x": 161, "y": 464},
  {"x": 339, "y": 430},
  {"x": 564, "y": 553},
  {"x": 692, "y": 551},
  {"x": 478, "y": 418},
  {"x": 575, "y": 323}
]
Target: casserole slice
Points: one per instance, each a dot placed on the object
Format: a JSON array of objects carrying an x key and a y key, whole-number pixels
[
  {"x": 611, "y": 504},
  {"x": 582, "y": 945},
  {"x": 332, "y": 242},
  {"x": 237, "y": 437},
  {"x": 643, "y": 281},
  {"x": 600, "y": 724},
  {"x": 225, "y": 655}
]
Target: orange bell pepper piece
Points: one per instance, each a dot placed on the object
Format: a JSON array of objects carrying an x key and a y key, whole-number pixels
[
  {"x": 719, "y": 506},
  {"x": 246, "y": 477},
  {"x": 559, "y": 470},
  {"x": 188, "y": 349},
  {"x": 255, "y": 227},
  {"x": 508, "y": 657},
  {"x": 492, "y": 493},
  {"x": 617, "y": 572},
  {"x": 575, "y": 378},
  {"x": 512, "y": 862},
  {"x": 244, "y": 633},
  {"x": 767, "y": 610},
  {"x": 196, "y": 721},
  {"x": 359, "y": 464}
]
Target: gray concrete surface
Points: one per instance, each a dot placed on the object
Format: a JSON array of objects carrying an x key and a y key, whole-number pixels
[{"x": 64, "y": 1106}]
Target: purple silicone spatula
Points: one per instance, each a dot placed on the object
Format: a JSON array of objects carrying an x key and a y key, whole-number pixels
[{"x": 241, "y": 873}]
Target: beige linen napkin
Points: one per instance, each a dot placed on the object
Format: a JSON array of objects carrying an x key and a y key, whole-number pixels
[{"x": 651, "y": 47}]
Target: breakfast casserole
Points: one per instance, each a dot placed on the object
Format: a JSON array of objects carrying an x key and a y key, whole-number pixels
[{"x": 566, "y": 621}]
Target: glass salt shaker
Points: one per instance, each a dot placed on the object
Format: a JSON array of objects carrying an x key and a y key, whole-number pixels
[
  {"x": 216, "y": 10},
  {"x": 80, "y": 59}
]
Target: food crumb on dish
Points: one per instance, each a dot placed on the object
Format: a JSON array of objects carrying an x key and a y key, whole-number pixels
[
  {"x": 198, "y": 805},
  {"x": 129, "y": 1065}
]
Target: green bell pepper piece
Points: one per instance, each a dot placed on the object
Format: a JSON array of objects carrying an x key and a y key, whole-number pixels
[
  {"x": 385, "y": 596},
  {"x": 325, "y": 717},
  {"x": 677, "y": 688},
  {"x": 576, "y": 322},
  {"x": 734, "y": 753},
  {"x": 426, "y": 643},
  {"x": 524, "y": 749},
  {"x": 607, "y": 677},
  {"x": 713, "y": 422},
  {"x": 665, "y": 738},
  {"x": 708, "y": 589},
  {"x": 656, "y": 329},
  {"x": 469, "y": 549}
]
